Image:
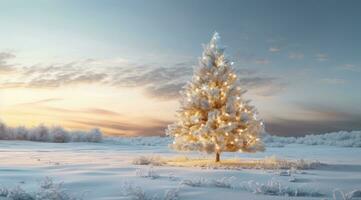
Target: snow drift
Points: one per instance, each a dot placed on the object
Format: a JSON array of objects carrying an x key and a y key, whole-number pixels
[
  {"x": 341, "y": 139},
  {"x": 48, "y": 134}
]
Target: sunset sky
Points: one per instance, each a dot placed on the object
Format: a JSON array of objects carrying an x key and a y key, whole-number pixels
[{"x": 119, "y": 65}]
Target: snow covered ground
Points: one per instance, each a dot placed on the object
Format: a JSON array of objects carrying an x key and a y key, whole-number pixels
[{"x": 106, "y": 170}]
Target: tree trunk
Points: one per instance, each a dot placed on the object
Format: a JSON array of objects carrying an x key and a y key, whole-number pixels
[{"x": 218, "y": 156}]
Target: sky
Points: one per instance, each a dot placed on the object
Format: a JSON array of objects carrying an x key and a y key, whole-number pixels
[{"x": 119, "y": 65}]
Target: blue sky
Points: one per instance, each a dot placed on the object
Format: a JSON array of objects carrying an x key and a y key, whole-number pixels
[{"x": 300, "y": 59}]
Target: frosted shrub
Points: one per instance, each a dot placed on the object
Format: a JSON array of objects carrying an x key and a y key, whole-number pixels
[
  {"x": 273, "y": 187},
  {"x": 52, "y": 191},
  {"x": 147, "y": 173},
  {"x": 140, "y": 141},
  {"x": 94, "y": 135},
  {"x": 341, "y": 139},
  {"x": 19, "y": 194},
  {"x": 39, "y": 133},
  {"x": 135, "y": 192},
  {"x": 197, "y": 182},
  {"x": 48, "y": 190},
  {"x": 42, "y": 133},
  {"x": 172, "y": 194},
  {"x": 340, "y": 195},
  {"x": 59, "y": 135},
  {"x": 148, "y": 160}
]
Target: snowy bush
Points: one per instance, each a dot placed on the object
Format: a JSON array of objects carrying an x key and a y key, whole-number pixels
[
  {"x": 147, "y": 173},
  {"x": 225, "y": 182},
  {"x": 18, "y": 193},
  {"x": 135, "y": 192},
  {"x": 148, "y": 160},
  {"x": 341, "y": 139},
  {"x": 42, "y": 133},
  {"x": 273, "y": 162},
  {"x": 341, "y": 195},
  {"x": 273, "y": 187},
  {"x": 140, "y": 141},
  {"x": 48, "y": 190}
]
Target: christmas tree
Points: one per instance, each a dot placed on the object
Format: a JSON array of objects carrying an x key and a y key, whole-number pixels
[{"x": 214, "y": 117}]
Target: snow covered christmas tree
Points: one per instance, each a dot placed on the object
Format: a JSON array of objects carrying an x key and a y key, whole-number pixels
[{"x": 214, "y": 117}]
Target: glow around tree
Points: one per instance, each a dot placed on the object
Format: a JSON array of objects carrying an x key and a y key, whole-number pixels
[{"x": 214, "y": 117}]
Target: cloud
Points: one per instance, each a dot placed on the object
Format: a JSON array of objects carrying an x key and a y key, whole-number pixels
[
  {"x": 157, "y": 81},
  {"x": 263, "y": 86},
  {"x": 274, "y": 49},
  {"x": 4, "y": 66},
  {"x": 321, "y": 57},
  {"x": 350, "y": 67},
  {"x": 296, "y": 56},
  {"x": 262, "y": 61},
  {"x": 314, "y": 119},
  {"x": 42, "y": 101},
  {"x": 333, "y": 81},
  {"x": 148, "y": 128}
]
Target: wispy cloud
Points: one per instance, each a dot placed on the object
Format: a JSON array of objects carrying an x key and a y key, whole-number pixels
[
  {"x": 321, "y": 57},
  {"x": 350, "y": 67},
  {"x": 262, "y": 61},
  {"x": 4, "y": 65},
  {"x": 312, "y": 118},
  {"x": 296, "y": 56},
  {"x": 148, "y": 128},
  {"x": 274, "y": 49},
  {"x": 333, "y": 81},
  {"x": 157, "y": 81}
]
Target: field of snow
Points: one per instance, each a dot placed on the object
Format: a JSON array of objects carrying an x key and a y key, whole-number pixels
[{"x": 131, "y": 169}]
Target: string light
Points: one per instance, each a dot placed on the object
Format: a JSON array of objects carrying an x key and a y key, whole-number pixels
[{"x": 215, "y": 104}]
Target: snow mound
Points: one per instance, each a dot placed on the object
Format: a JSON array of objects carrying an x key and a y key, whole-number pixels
[
  {"x": 341, "y": 139},
  {"x": 48, "y": 134}
]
